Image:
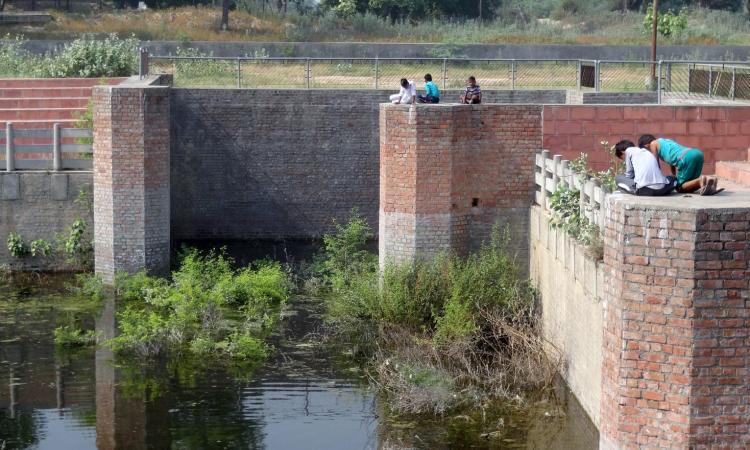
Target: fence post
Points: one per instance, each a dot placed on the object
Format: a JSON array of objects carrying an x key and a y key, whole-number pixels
[
  {"x": 307, "y": 73},
  {"x": 734, "y": 79},
  {"x": 597, "y": 76},
  {"x": 56, "y": 148},
  {"x": 545, "y": 157},
  {"x": 669, "y": 77},
  {"x": 239, "y": 72},
  {"x": 556, "y": 160},
  {"x": 143, "y": 63},
  {"x": 578, "y": 76},
  {"x": 445, "y": 72},
  {"x": 658, "y": 85},
  {"x": 10, "y": 154},
  {"x": 582, "y": 195},
  {"x": 710, "y": 80},
  {"x": 377, "y": 72},
  {"x": 564, "y": 181},
  {"x": 513, "y": 69}
]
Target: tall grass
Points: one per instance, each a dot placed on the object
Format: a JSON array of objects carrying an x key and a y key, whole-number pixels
[
  {"x": 552, "y": 21},
  {"x": 447, "y": 332}
]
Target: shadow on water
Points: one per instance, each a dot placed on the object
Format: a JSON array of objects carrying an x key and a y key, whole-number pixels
[{"x": 306, "y": 396}]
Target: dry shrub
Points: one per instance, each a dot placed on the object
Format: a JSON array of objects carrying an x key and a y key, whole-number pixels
[{"x": 506, "y": 359}]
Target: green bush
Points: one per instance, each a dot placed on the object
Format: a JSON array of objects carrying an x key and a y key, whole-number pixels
[
  {"x": 17, "y": 246},
  {"x": 207, "y": 309},
  {"x": 85, "y": 57},
  {"x": 72, "y": 336}
]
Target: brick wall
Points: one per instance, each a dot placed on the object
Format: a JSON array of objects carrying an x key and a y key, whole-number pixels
[
  {"x": 271, "y": 164},
  {"x": 131, "y": 178},
  {"x": 721, "y": 132},
  {"x": 41, "y": 205},
  {"x": 448, "y": 173},
  {"x": 675, "y": 325}
]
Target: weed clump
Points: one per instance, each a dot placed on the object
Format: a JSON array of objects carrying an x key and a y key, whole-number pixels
[
  {"x": 208, "y": 308},
  {"x": 448, "y": 332}
]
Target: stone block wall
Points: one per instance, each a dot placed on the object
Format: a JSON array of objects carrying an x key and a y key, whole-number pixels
[
  {"x": 42, "y": 205},
  {"x": 721, "y": 132},
  {"x": 448, "y": 173},
  {"x": 571, "y": 284},
  {"x": 131, "y": 178},
  {"x": 676, "y": 324}
]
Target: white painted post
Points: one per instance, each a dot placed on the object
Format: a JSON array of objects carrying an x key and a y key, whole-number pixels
[
  {"x": 556, "y": 160},
  {"x": 564, "y": 172},
  {"x": 545, "y": 157},
  {"x": 56, "y": 149},
  {"x": 10, "y": 154}
]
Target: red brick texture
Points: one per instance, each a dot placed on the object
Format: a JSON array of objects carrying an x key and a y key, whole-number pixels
[
  {"x": 449, "y": 172},
  {"x": 721, "y": 132},
  {"x": 675, "y": 357},
  {"x": 131, "y": 179}
]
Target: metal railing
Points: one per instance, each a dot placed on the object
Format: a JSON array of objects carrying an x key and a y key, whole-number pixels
[
  {"x": 68, "y": 148},
  {"x": 671, "y": 80}
]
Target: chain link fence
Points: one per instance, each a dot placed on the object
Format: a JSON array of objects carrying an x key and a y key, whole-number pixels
[{"x": 673, "y": 80}]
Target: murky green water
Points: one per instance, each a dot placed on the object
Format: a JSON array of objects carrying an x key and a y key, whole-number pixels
[{"x": 305, "y": 397}]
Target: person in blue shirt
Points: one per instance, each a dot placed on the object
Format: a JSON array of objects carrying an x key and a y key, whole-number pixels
[
  {"x": 686, "y": 163},
  {"x": 432, "y": 93}
]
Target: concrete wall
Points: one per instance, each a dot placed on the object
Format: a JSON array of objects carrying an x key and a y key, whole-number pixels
[
  {"x": 40, "y": 205},
  {"x": 721, "y": 132},
  {"x": 280, "y": 164},
  {"x": 412, "y": 50},
  {"x": 571, "y": 288}
]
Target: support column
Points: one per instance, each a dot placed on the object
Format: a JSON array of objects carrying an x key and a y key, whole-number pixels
[
  {"x": 131, "y": 178},
  {"x": 449, "y": 173},
  {"x": 676, "y": 348}
]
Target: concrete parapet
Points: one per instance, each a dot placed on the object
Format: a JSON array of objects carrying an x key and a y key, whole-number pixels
[
  {"x": 131, "y": 178},
  {"x": 676, "y": 311}
]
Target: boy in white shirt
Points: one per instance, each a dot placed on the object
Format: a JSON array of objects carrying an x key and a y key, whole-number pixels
[
  {"x": 643, "y": 175},
  {"x": 407, "y": 94}
]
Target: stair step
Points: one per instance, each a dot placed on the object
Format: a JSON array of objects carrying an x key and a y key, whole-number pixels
[
  {"x": 36, "y": 124},
  {"x": 736, "y": 171},
  {"x": 41, "y": 114},
  {"x": 56, "y": 82},
  {"x": 58, "y": 102},
  {"x": 36, "y": 92}
]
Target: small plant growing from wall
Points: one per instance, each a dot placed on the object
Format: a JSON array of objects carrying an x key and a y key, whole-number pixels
[
  {"x": 567, "y": 215},
  {"x": 17, "y": 246},
  {"x": 41, "y": 248},
  {"x": 74, "y": 244}
]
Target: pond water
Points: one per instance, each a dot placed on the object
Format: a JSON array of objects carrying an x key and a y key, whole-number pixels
[{"x": 307, "y": 396}]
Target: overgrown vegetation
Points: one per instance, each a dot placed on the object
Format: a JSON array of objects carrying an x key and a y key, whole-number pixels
[
  {"x": 208, "y": 309},
  {"x": 512, "y": 21},
  {"x": 441, "y": 334},
  {"x": 85, "y": 57}
]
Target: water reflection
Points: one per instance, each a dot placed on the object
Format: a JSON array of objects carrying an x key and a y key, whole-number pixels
[{"x": 304, "y": 398}]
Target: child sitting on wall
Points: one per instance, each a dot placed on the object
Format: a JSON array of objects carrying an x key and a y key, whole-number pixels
[
  {"x": 432, "y": 93},
  {"x": 642, "y": 172},
  {"x": 406, "y": 95},
  {"x": 473, "y": 94}
]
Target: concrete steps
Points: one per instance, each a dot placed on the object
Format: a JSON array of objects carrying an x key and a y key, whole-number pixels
[
  {"x": 47, "y": 114},
  {"x": 737, "y": 172},
  {"x": 45, "y": 92},
  {"x": 37, "y": 103}
]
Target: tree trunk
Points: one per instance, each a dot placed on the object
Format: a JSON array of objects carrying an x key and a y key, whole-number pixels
[{"x": 224, "y": 15}]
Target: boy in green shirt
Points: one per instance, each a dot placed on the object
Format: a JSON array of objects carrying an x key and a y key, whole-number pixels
[
  {"x": 432, "y": 93},
  {"x": 686, "y": 163}
]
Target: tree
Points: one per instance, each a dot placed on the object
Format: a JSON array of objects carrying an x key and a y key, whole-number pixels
[{"x": 225, "y": 15}]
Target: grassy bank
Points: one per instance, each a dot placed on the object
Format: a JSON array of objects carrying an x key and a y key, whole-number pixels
[
  {"x": 438, "y": 335},
  {"x": 512, "y": 27}
]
